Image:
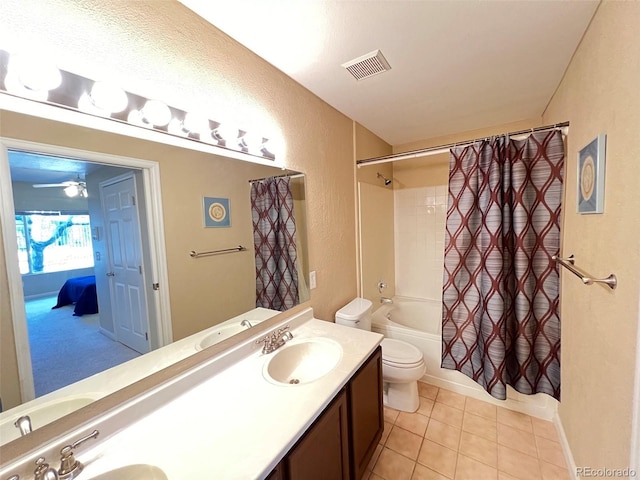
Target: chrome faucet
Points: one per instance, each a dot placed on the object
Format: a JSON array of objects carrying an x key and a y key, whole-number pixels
[
  {"x": 246, "y": 323},
  {"x": 275, "y": 340},
  {"x": 386, "y": 300},
  {"x": 23, "y": 424}
]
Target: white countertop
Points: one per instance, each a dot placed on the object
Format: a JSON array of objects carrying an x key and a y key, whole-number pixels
[
  {"x": 104, "y": 383},
  {"x": 226, "y": 420}
]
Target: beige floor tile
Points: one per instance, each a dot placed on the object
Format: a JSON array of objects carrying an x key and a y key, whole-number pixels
[
  {"x": 550, "y": 452},
  {"x": 545, "y": 429},
  {"x": 553, "y": 472},
  {"x": 390, "y": 414},
  {"x": 367, "y": 475},
  {"x": 450, "y": 398},
  {"x": 393, "y": 466},
  {"x": 414, "y": 422},
  {"x": 443, "y": 434},
  {"x": 385, "y": 433},
  {"x": 517, "y": 439},
  {"x": 505, "y": 476},
  {"x": 446, "y": 414},
  {"x": 425, "y": 407},
  {"x": 481, "y": 426},
  {"x": 438, "y": 458},
  {"x": 374, "y": 457},
  {"x": 423, "y": 473},
  {"x": 404, "y": 442},
  {"x": 428, "y": 391},
  {"x": 515, "y": 419},
  {"x": 480, "y": 408},
  {"x": 479, "y": 448},
  {"x": 375, "y": 477},
  {"x": 470, "y": 469},
  {"x": 518, "y": 464}
]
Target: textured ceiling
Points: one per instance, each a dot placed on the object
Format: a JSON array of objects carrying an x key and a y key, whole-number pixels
[{"x": 455, "y": 65}]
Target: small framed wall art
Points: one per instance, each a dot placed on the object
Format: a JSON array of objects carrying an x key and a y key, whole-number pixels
[
  {"x": 591, "y": 165},
  {"x": 216, "y": 212}
]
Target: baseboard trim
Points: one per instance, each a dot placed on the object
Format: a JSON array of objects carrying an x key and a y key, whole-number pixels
[
  {"x": 566, "y": 449},
  {"x": 108, "y": 334}
]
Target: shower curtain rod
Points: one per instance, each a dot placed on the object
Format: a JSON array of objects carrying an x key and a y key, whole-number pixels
[
  {"x": 292, "y": 175},
  {"x": 425, "y": 152}
]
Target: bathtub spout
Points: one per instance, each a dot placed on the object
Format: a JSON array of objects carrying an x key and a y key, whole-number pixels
[{"x": 386, "y": 300}]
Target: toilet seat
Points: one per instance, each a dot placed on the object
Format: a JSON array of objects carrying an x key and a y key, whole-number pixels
[{"x": 397, "y": 353}]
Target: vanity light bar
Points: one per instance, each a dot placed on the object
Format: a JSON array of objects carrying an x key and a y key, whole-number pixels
[{"x": 78, "y": 93}]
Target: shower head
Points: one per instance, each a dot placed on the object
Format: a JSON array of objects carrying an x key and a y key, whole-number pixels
[{"x": 386, "y": 180}]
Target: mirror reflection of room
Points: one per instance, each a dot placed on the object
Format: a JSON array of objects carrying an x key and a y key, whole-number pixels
[{"x": 68, "y": 255}]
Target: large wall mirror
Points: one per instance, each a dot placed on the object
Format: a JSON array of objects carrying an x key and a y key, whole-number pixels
[{"x": 81, "y": 224}]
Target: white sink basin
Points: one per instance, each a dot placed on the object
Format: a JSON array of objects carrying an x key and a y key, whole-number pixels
[
  {"x": 219, "y": 334},
  {"x": 133, "y": 472},
  {"x": 41, "y": 415},
  {"x": 300, "y": 362}
]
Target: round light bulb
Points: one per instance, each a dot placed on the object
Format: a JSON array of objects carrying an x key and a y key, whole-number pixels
[
  {"x": 156, "y": 113},
  {"x": 72, "y": 190},
  {"x": 229, "y": 134},
  {"x": 35, "y": 72},
  {"x": 197, "y": 123},
  {"x": 108, "y": 97}
]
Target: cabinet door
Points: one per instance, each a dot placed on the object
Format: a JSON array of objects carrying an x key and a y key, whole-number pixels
[
  {"x": 366, "y": 420},
  {"x": 277, "y": 473},
  {"x": 323, "y": 452}
]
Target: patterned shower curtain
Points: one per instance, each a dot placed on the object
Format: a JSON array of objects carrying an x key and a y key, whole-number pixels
[
  {"x": 274, "y": 238},
  {"x": 501, "y": 323}
]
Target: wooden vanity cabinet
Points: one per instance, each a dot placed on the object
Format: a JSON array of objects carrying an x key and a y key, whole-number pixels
[
  {"x": 340, "y": 443},
  {"x": 366, "y": 417},
  {"x": 323, "y": 452}
]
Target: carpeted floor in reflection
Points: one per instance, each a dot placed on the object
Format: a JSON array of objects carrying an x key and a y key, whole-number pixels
[{"x": 65, "y": 349}]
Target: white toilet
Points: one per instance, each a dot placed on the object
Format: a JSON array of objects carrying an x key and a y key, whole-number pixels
[{"x": 402, "y": 363}]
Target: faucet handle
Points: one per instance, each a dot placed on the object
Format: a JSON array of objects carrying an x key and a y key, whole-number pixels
[
  {"x": 69, "y": 466},
  {"x": 43, "y": 471}
]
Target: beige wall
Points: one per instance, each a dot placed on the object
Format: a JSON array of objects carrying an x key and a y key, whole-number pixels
[
  {"x": 173, "y": 52},
  {"x": 599, "y": 94}
]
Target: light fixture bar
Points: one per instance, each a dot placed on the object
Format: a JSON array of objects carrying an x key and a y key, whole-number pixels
[{"x": 76, "y": 92}]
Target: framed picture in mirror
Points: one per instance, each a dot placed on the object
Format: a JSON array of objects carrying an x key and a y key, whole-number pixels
[{"x": 216, "y": 212}]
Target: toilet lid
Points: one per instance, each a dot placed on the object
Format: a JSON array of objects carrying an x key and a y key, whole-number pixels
[{"x": 400, "y": 352}]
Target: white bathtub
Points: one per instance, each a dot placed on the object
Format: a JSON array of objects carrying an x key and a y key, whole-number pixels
[{"x": 418, "y": 322}]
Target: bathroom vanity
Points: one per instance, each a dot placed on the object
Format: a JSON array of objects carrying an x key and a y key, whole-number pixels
[
  {"x": 342, "y": 440},
  {"x": 310, "y": 409}
]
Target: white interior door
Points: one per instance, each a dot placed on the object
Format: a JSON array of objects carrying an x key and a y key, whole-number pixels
[{"x": 126, "y": 272}]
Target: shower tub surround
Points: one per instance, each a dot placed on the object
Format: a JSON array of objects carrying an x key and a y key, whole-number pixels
[
  {"x": 419, "y": 322},
  {"x": 225, "y": 419}
]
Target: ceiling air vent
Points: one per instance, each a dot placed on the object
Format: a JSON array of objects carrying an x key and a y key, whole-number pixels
[{"x": 367, "y": 65}]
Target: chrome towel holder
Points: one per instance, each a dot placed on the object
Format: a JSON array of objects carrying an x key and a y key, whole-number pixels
[
  {"x": 195, "y": 254},
  {"x": 569, "y": 264}
]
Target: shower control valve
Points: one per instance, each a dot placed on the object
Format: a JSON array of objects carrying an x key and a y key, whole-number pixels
[{"x": 381, "y": 286}]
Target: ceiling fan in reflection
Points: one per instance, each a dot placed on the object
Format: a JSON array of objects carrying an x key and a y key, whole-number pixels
[{"x": 72, "y": 188}]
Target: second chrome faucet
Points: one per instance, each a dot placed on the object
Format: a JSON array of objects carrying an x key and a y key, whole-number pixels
[{"x": 275, "y": 340}]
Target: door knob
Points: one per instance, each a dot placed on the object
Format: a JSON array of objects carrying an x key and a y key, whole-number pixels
[{"x": 111, "y": 274}]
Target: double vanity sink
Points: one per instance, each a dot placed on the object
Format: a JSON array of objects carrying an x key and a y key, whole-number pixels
[
  {"x": 234, "y": 416},
  {"x": 59, "y": 403}
]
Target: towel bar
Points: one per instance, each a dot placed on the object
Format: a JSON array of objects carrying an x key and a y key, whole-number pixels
[
  {"x": 195, "y": 254},
  {"x": 569, "y": 264}
]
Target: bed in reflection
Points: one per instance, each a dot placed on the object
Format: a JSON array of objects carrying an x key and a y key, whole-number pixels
[{"x": 80, "y": 291}]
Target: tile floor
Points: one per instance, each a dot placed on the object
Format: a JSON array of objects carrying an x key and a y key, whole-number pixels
[{"x": 455, "y": 437}]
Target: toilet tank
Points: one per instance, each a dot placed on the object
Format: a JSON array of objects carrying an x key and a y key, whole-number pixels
[{"x": 356, "y": 313}]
